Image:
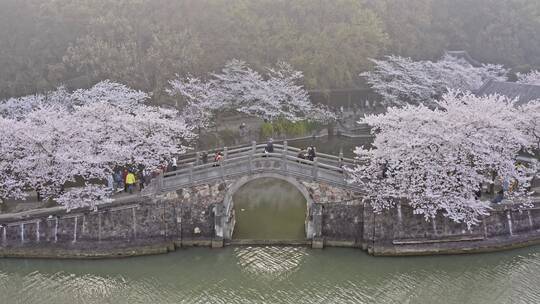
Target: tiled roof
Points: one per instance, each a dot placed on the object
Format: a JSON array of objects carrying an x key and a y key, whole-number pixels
[
  {"x": 464, "y": 55},
  {"x": 525, "y": 92}
]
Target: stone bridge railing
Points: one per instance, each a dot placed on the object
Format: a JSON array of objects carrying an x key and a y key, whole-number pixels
[{"x": 252, "y": 159}]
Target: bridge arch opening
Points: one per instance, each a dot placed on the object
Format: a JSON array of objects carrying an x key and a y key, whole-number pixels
[{"x": 268, "y": 207}]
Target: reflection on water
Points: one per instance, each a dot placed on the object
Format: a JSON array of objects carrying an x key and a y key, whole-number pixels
[
  {"x": 276, "y": 275},
  {"x": 270, "y": 262},
  {"x": 269, "y": 209}
]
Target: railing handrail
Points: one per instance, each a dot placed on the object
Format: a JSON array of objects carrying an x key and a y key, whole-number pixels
[
  {"x": 277, "y": 148},
  {"x": 256, "y": 154},
  {"x": 240, "y": 159},
  {"x": 192, "y": 156}
]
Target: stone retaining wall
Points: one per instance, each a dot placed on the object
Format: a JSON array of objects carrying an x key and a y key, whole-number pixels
[
  {"x": 392, "y": 233},
  {"x": 192, "y": 216},
  {"x": 142, "y": 227},
  {"x": 343, "y": 223}
]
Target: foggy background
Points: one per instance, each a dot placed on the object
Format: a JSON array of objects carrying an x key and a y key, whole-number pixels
[{"x": 144, "y": 43}]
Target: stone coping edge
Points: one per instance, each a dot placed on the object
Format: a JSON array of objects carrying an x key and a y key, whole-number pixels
[
  {"x": 495, "y": 244},
  {"x": 109, "y": 251}
]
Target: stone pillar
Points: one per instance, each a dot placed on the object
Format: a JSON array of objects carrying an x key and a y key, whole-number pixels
[
  {"x": 38, "y": 236},
  {"x": 510, "y": 226},
  {"x": 317, "y": 241},
  {"x": 399, "y": 220},
  {"x": 225, "y": 153},
  {"x": 220, "y": 229},
  {"x": 190, "y": 174},
  {"x": 83, "y": 229},
  {"x": 197, "y": 158},
  {"x": 4, "y": 235},
  {"x": 179, "y": 213},
  {"x": 315, "y": 169},
  {"x": 99, "y": 226},
  {"x": 222, "y": 168},
  {"x": 340, "y": 161},
  {"x": 134, "y": 222},
  {"x": 485, "y": 227},
  {"x": 76, "y": 221},
  {"x": 284, "y": 157},
  {"x": 56, "y": 229},
  {"x": 368, "y": 236},
  {"x": 22, "y": 233},
  {"x": 159, "y": 183},
  {"x": 251, "y": 155}
]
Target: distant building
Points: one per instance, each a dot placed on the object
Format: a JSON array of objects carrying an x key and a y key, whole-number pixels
[
  {"x": 524, "y": 92},
  {"x": 465, "y": 56}
]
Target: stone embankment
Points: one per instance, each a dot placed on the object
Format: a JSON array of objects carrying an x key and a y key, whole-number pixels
[{"x": 197, "y": 216}]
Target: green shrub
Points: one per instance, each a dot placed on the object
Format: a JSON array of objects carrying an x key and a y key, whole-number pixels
[
  {"x": 267, "y": 130},
  {"x": 285, "y": 128}
]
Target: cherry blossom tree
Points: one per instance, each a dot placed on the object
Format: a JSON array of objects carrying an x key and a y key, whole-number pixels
[
  {"x": 531, "y": 122},
  {"x": 83, "y": 135},
  {"x": 104, "y": 91},
  {"x": 91, "y": 195},
  {"x": 435, "y": 160},
  {"x": 402, "y": 81},
  {"x": 18, "y": 107},
  {"x": 533, "y": 77},
  {"x": 277, "y": 94}
]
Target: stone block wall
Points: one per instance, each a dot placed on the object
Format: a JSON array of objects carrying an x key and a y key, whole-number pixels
[
  {"x": 179, "y": 217},
  {"x": 324, "y": 194},
  {"x": 343, "y": 222},
  {"x": 186, "y": 217},
  {"x": 400, "y": 232}
]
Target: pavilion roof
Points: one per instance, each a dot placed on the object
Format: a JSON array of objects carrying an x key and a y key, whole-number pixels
[{"x": 523, "y": 92}]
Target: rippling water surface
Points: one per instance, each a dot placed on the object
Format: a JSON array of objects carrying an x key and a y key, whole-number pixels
[{"x": 276, "y": 275}]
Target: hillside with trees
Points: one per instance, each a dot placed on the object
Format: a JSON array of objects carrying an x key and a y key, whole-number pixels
[{"x": 144, "y": 43}]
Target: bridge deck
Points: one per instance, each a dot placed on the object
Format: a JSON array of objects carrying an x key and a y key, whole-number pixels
[{"x": 252, "y": 159}]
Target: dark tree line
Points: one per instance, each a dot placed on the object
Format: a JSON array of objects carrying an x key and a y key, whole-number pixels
[{"x": 143, "y": 43}]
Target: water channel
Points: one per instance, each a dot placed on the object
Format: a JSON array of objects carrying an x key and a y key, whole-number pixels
[{"x": 276, "y": 275}]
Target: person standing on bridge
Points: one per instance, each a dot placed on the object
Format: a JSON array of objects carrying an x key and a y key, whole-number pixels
[
  {"x": 130, "y": 182},
  {"x": 269, "y": 146},
  {"x": 242, "y": 131},
  {"x": 218, "y": 157},
  {"x": 174, "y": 165},
  {"x": 204, "y": 157},
  {"x": 118, "y": 180},
  {"x": 311, "y": 154},
  {"x": 141, "y": 176}
]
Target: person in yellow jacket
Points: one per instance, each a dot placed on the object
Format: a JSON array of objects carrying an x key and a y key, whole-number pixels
[{"x": 130, "y": 181}]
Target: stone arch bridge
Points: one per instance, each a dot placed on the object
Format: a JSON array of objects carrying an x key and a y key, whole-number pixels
[{"x": 242, "y": 164}]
